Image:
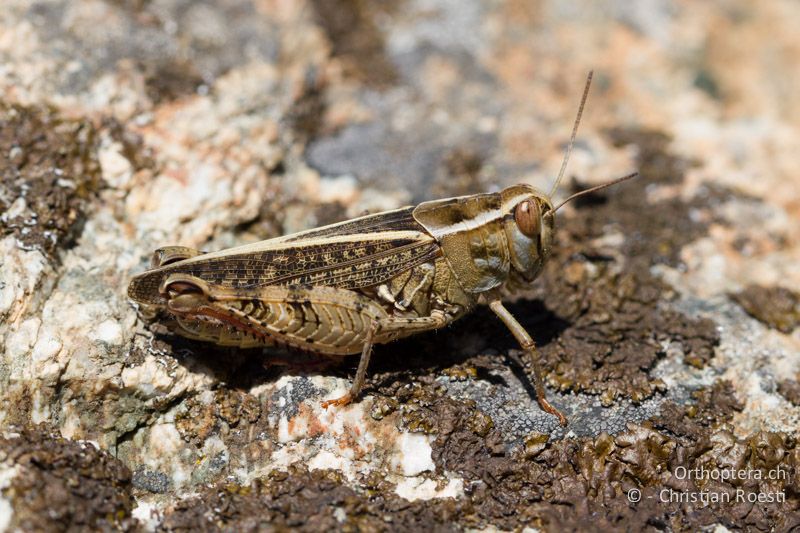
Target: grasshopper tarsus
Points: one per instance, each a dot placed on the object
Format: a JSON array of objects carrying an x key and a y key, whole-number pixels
[
  {"x": 346, "y": 399},
  {"x": 361, "y": 373},
  {"x": 549, "y": 408}
]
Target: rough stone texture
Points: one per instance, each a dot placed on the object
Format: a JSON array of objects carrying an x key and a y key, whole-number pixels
[
  {"x": 667, "y": 317},
  {"x": 45, "y": 191},
  {"x": 60, "y": 483},
  {"x": 776, "y": 307}
]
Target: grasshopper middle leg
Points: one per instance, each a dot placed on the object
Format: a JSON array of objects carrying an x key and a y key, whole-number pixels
[
  {"x": 385, "y": 327},
  {"x": 527, "y": 344}
]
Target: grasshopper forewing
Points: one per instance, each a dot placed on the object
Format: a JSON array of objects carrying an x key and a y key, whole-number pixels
[{"x": 340, "y": 289}]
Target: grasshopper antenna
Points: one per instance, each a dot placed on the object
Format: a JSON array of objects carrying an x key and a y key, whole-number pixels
[
  {"x": 591, "y": 190},
  {"x": 574, "y": 133}
]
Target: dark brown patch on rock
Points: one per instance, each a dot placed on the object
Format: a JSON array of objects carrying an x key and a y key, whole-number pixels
[
  {"x": 308, "y": 501},
  {"x": 460, "y": 174},
  {"x": 579, "y": 484},
  {"x": 230, "y": 408},
  {"x": 133, "y": 147},
  {"x": 583, "y": 484},
  {"x": 170, "y": 80},
  {"x": 777, "y": 307},
  {"x": 356, "y": 40},
  {"x": 63, "y": 485},
  {"x": 790, "y": 389},
  {"x": 307, "y": 113},
  {"x": 50, "y": 176},
  {"x": 709, "y": 408}
]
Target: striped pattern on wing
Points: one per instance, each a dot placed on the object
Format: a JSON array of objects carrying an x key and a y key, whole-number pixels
[
  {"x": 397, "y": 220},
  {"x": 348, "y": 262}
]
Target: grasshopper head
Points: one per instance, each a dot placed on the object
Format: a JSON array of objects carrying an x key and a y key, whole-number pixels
[
  {"x": 529, "y": 218},
  {"x": 529, "y": 225}
]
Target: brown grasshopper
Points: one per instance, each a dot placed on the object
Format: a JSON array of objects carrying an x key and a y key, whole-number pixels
[{"x": 340, "y": 289}]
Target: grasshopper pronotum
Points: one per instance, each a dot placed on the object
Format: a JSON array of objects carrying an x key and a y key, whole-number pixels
[{"x": 340, "y": 289}]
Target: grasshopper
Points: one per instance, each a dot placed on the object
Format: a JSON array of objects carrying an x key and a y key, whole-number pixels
[{"x": 340, "y": 289}]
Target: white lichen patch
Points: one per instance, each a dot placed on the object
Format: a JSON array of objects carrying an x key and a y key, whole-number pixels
[
  {"x": 675, "y": 373},
  {"x": 147, "y": 514},
  {"x": 71, "y": 421},
  {"x": 343, "y": 438},
  {"x": 108, "y": 331},
  {"x": 6, "y": 514},
  {"x": 165, "y": 440},
  {"x": 154, "y": 378},
  {"x": 413, "y": 454},
  {"x": 427, "y": 489},
  {"x": 342, "y": 189},
  {"x": 117, "y": 170},
  {"x": 46, "y": 348},
  {"x": 165, "y": 451},
  {"x": 285, "y": 456},
  {"x": 40, "y": 407},
  {"x": 349, "y": 425},
  {"x": 339, "y": 438},
  {"x": 20, "y": 341},
  {"x": 326, "y": 460},
  {"x": 7, "y": 473},
  {"x": 21, "y": 271},
  {"x": 292, "y": 430},
  {"x": 340, "y": 514}
]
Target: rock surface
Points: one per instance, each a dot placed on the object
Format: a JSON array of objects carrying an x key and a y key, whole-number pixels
[{"x": 667, "y": 318}]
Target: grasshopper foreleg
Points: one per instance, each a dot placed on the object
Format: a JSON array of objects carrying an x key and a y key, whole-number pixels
[{"x": 529, "y": 347}]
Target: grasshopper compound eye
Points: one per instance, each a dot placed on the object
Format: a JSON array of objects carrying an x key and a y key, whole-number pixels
[{"x": 528, "y": 217}]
